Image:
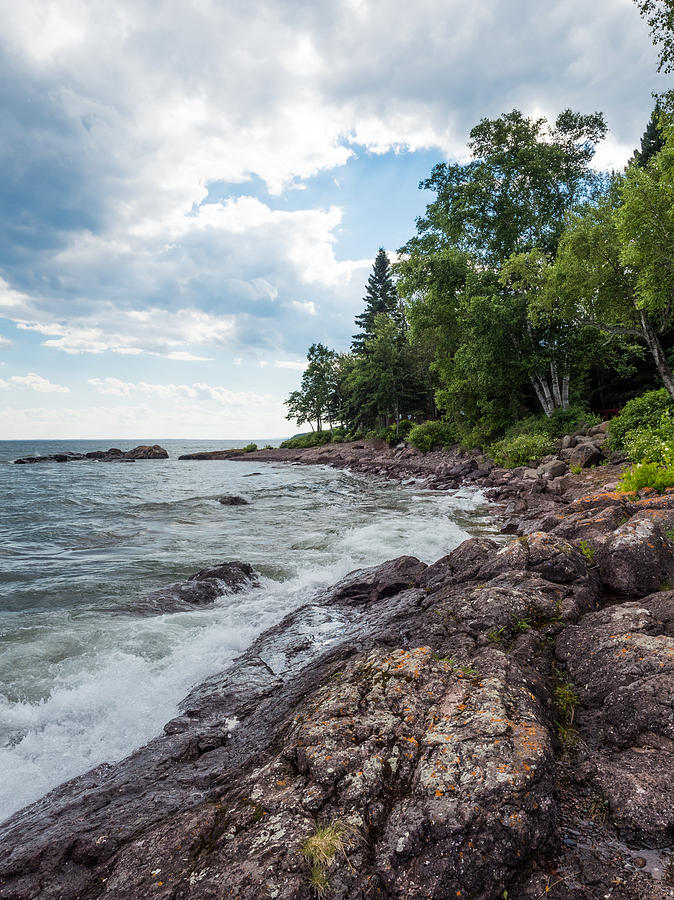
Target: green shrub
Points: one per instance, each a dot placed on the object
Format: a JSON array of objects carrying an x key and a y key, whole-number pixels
[
  {"x": 310, "y": 439},
  {"x": 561, "y": 422},
  {"x": 404, "y": 428},
  {"x": 640, "y": 414},
  {"x": 647, "y": 474},
  {"x": 250, "y": 448},
  {"x": 432, "y": 434},
  {"x": 521, "y": 450}
]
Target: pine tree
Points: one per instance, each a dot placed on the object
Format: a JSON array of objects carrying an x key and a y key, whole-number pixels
[
  {"x": 380, "y": 297},
  {"x": 652, "y": 141}
]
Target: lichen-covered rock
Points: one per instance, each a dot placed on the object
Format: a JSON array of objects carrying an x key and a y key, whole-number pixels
[
  {"x": 637, "y": 558},
  {"x": 621, "y": 661},
  {"x": 442, "y": 782}
]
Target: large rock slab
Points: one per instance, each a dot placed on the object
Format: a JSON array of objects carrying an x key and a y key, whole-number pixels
[{"x": 621, "y": 661}]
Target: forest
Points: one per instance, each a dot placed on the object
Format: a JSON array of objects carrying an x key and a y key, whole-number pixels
[{"x": 536, "y": 294}]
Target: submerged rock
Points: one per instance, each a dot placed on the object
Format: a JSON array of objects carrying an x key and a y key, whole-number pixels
[{"x": 232, "y": 500}]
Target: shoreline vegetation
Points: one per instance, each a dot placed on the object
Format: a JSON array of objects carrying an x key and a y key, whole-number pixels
[{"x": 498, "y": 721}]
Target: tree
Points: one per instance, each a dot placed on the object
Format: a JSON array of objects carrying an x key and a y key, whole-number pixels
[
  {"x": 514, "y": 194},
  {"x": 603, "y": 276},
  {"x": 315, "y": 398},
  {"x": 660, "y": 17},
  {"x": 380, "y": 298},
  {"x": 510, "y": 200},
  {"x": 652, "y": 140}
]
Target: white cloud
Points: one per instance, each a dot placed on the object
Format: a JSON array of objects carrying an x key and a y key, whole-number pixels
[
  {"x": 35, "y": 383},
  {"x": 221, "y": 395},
  {"x": 5, "y": 342},
  {"x": 290, "y": 364},
  {"x": 307, "y": 306}
]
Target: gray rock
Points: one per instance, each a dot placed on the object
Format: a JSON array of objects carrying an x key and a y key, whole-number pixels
[
  {"x": 637, "y": 558},
  {"x": 585, "y": 454},
  {"x": 553, "y": 469}
]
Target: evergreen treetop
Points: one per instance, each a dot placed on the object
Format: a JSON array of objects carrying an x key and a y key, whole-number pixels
[{"x": 380, "y": 297}]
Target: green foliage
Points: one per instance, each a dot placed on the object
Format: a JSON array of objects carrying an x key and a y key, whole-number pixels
[
  {"x": 652, "y": 445},
  {"x": 268, "y": 447},
  {"x": 559, "y": 423},
  {"x": 647, "y": 474},
  {"x": 495, "y": 635},
  {"x": 521, "y": 624},
  {"x": 429, "y": 435},
  {"x": 660, "y": 17},
  {"x": 316, "y": 398},
  {"x": 576, "y": 470},
  {"x": 521, "y": 450},
  {"x": 250, "y": 448},
  {"x": 380, "y": 297},
  {"x": 644, "y": 412},
  {"x": 587, "y": 551},
  {"x": 310, "y": 439},
  {"x": 566, "y": 700}
]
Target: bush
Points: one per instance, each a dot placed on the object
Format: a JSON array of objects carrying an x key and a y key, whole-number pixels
[
  {"x": 561, "y": 422},
  {"x": 647, "y": 474},
  {"x": 404, "y": 428},
  {"x": 310, "y": 439},
  {"x": 432, "y": 434},
  {"x": 640, "y": 414},
  {"x": 521, "y": 450},
  {"x": 250, "y": 448}
]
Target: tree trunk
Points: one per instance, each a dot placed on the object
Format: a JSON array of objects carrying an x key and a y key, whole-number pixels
[
  {"x": 565, "y": 391},
  {"x": 554, "y": 379},
  {"x": 542, "y": 392},
  {"x": 655, "y": 347}
]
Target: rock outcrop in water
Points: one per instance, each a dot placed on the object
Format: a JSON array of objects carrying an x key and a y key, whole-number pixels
[
  {"x": 496, "y": 724},
  {"x": 143, "y": 451},
  {"x": 200, "y": 589}
]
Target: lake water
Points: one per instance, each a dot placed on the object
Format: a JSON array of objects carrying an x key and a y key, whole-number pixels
[{"x": 85, "y": 680}]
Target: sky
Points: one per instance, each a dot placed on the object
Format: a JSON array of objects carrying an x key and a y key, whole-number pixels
[{"x": 193, "y": 191}]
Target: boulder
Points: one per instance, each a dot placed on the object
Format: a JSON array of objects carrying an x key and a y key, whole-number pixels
[
  {"x": 232, "y": 500},
  {"x": 553, "y": 469},
  {"x": 200, "y": 589},
  {"x": 637, "y": 558},
  {"x": 585, "y": 454},
  {"x": 145, "y": 451}
]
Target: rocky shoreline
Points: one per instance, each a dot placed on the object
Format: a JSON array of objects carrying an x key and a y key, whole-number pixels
[{"x": 496, "y": 725}]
